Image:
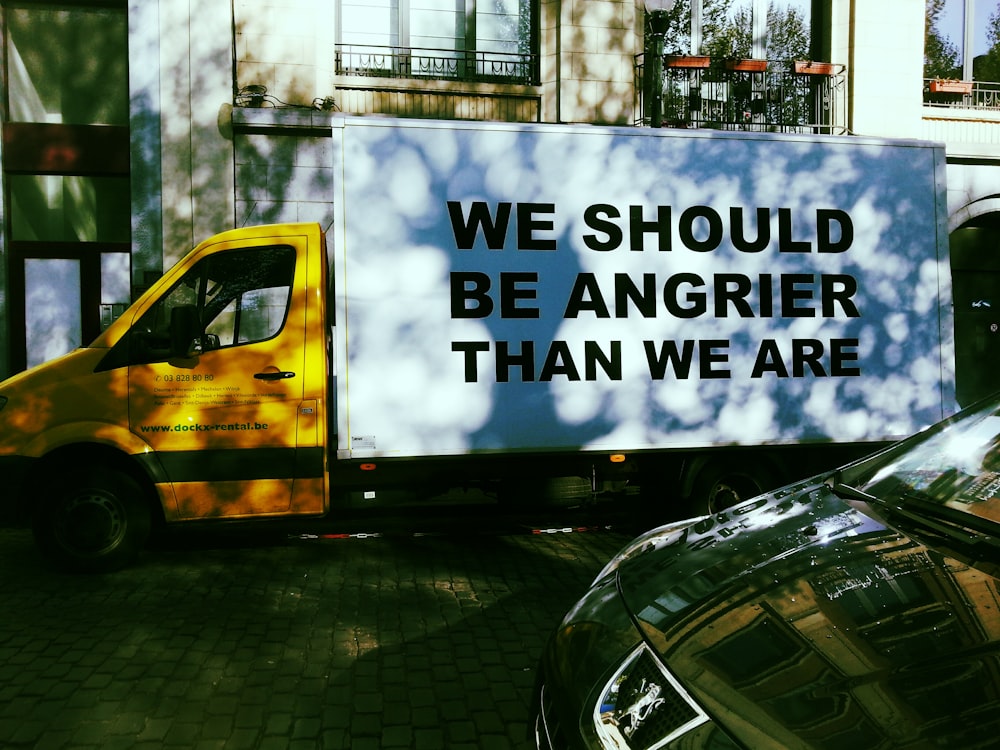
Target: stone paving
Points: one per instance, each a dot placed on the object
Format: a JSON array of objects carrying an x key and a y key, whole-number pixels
[{"x": 285, "y": 641}]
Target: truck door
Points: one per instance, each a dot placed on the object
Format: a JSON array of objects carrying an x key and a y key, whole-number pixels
[{"x": 216, "y": 379}]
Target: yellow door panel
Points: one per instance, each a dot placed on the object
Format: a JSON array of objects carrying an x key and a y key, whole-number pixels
[
  {"x": 235, "y": 499},
  {"x": 216, "y": 379}
]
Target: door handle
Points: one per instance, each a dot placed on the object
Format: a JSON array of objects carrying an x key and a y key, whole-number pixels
[{"x": 274, "y": 375}]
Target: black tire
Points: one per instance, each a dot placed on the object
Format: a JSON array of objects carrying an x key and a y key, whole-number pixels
[
  {"x": 94, "y": 521},
  {"x": 725, "y": 484}
]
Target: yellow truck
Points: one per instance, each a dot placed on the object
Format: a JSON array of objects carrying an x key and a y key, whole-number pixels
[{"x": 512, "y": 308}]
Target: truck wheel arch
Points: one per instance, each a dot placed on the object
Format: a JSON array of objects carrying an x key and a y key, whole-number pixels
[
  {"x": 75, "y": 443},
  {"x": 90, "y": 484},
  {"x": 714, "y": 483}
]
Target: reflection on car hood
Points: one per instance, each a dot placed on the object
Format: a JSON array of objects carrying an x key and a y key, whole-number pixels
[{"x": 802, "y": 618}]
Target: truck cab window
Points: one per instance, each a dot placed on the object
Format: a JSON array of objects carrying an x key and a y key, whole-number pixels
[
  {"x": 228, "y": 299},
  {"x": 256, "y": 315}
]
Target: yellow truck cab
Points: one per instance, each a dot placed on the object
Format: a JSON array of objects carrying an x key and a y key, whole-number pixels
[{"x": 207, "y": 395}]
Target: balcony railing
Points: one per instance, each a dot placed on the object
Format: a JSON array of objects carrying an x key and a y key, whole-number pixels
[
  {"x": 769, "y": 96},
  {"x": 962, "y": 94},
  {"x": 439, "y": 64}
]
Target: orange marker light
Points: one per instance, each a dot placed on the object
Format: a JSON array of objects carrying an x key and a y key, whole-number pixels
[
  {"x": 617, "y": 458},
  {"x": 367, "y": 467}
]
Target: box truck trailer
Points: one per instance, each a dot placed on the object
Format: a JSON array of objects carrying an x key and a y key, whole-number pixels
[{"x": 691, "y": 316}]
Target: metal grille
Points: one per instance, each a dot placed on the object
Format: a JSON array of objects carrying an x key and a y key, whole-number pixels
[
  {"x": 442, "y": 64},
  {"x": 644, "y": 707},
  {"x": 778, "y": 97},
  {"x": 962, "y": 94},
  {"x": 669, "y": 714}
]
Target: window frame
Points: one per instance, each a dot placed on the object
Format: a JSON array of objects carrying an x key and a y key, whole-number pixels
[
  {"x": 153, "y": 325},
  {"x": 465, "y": 62}
]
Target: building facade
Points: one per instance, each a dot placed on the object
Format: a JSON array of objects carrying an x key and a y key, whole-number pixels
[{"x": 131, "y": 130}]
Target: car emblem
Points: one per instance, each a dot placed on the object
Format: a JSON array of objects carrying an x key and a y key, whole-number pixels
[{"x": 647, "y": 701}]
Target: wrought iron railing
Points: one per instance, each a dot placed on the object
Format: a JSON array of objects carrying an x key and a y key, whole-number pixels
[
  {"x": 443, "y": 64},
  {"x": 965, "y": 94},
  {"x": 763, "y": 95}
]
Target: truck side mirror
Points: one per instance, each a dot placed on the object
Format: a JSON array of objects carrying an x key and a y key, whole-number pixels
[{"x": 185, "y": 331}]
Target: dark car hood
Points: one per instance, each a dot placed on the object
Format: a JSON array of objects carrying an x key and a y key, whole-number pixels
[{"x": 802, "y": 619}]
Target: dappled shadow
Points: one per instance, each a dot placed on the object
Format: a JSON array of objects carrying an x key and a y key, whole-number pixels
[
  {"x": 616, "y": 332},
  {"x": 323, "y": 641},
  {"x": 770, "y": 252}
]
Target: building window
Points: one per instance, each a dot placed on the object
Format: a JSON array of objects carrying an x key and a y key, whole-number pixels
[
  {"x": 721, "y": 29},
  {"x": 69, "y": 208},
  {"x": 962, "y": 40},
  {"x": 67, "y": 65},
  {"x": 489, "y": 40},
  {"x": 730, "y": 64},
  {"x": 65, "y": 175}
]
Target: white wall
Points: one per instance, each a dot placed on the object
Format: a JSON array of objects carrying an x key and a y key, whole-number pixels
[
  {"x": 288, "y": 46},
  {"x": 885, "y": 52},
  {"x": 180, "y": 58}
]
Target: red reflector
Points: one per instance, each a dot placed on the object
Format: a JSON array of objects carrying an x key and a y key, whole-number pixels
[
  {"x": 367, "y": 467},
  {"x": 617, "y": 458}
]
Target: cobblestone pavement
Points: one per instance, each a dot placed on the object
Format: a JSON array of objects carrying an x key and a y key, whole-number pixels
[{"x": 288, "y": 641}]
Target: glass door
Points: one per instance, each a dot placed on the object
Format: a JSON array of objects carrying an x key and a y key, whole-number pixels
[
  {"x": 67, "y": 199},
  {"x": 69, "y": 261},
  {"x": 65, "y": 295}
]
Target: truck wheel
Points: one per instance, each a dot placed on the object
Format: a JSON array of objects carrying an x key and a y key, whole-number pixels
[
  {"x": 93, "y": 522},
  {"x": 720, "y": 485}
]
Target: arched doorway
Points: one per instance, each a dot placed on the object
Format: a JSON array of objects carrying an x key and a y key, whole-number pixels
[{"x": 975, "y": 269}]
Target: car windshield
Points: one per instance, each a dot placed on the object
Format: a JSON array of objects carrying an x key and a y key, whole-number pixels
[{"x": 951, "y": 473}]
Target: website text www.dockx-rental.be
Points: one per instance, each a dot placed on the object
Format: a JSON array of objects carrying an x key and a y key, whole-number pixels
[{"x": 194, "y": 427}]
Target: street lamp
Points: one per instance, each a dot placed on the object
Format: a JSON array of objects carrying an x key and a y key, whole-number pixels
[{"x": 657, "y": 10}]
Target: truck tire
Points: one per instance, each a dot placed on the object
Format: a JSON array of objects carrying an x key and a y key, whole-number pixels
[
  {"x": 93, "y": 521},
  {"x": 724, "y": 484}
]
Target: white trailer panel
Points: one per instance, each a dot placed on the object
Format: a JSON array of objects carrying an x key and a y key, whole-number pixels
[{"x": 533, "y": 288}]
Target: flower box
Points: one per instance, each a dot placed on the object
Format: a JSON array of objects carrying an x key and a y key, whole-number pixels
[
  {"x": 943, "y": 86},
  {"x": 687, "y": 61},
  {"x": 810, "y": 68},
  {"x": 748, "y": 66}
]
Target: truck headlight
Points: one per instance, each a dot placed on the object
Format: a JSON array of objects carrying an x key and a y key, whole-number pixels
[{"x": 644, "y": 706}]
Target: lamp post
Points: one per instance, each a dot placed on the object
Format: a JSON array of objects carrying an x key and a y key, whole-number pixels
[{"x": 657, "y": 10}]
